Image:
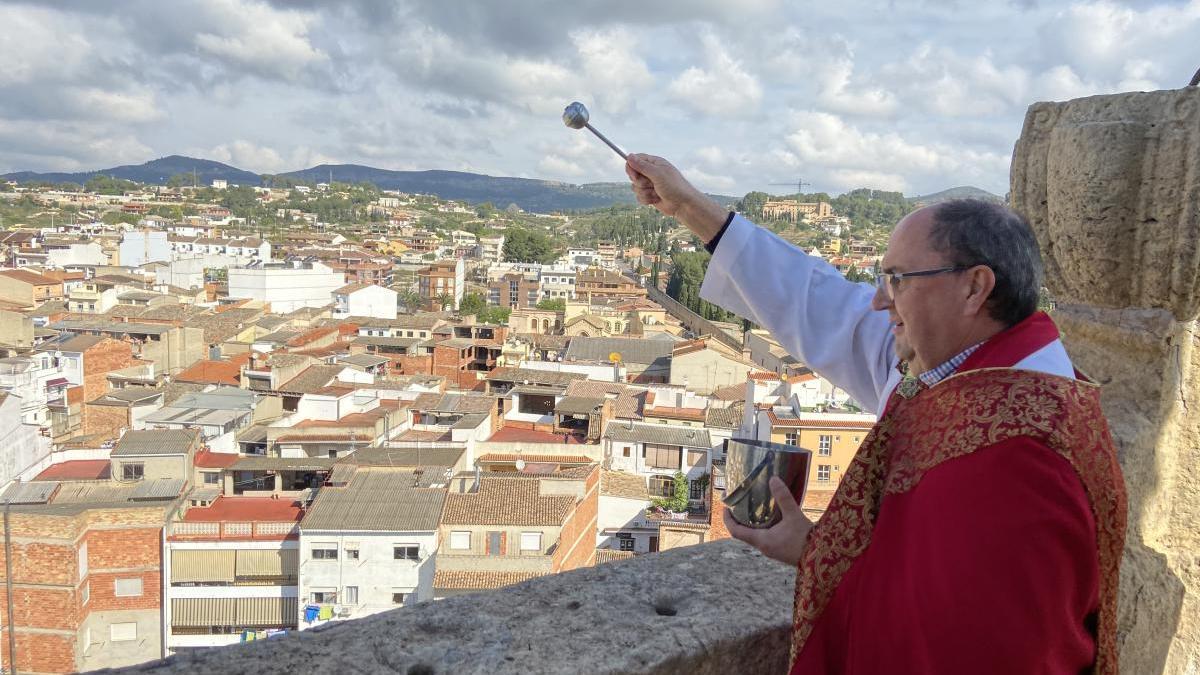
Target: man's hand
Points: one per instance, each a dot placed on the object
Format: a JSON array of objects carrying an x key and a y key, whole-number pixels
[
  {"x": 784, "y": 541},
  {"x": 659, "y": 184}
]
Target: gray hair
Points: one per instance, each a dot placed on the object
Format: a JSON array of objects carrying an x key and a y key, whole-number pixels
[{"x": 977, "y": 232}]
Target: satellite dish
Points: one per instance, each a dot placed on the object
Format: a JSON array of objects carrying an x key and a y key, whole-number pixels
[
  {"x": 520, "y": 465},
  {"x": 615, "y": 357}
]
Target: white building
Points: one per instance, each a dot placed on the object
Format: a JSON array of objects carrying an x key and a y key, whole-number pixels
[
  {"x": 621, "y": 521},
  {"x": 657, "y": 451},
  {"x": 365, "y": 300},
  {"x": 491, "y": 249},
  {"x": 286, "y": 286},
  {"x": 230, "y": 567},
  {"x": 76, "y": 254},
  {"x": 21, "y": 444},
  {"x": 144, "y": 246},
  {"x": 557, "y": 281},
  {"x": 580, "y": 258},
  {"x": 369, "y": 542}
]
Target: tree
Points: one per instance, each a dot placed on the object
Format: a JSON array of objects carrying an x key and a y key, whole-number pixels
[
  {"x": 687, "y": 275},
  {"x": 521, "y": 245},
  {"x": 411, "y": 299},
  {"x": 472, "y": 303},
  {"x": 678, "y": 501},
  {"x": 179, "y": 180},
  {"x": 752, "y": 204},
  {"x": 496, "y": 315},
  {"x": 445, "y": 301},
  {"x": 553, "y": 304}
]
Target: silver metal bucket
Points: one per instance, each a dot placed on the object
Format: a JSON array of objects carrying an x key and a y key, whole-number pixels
[{"x": 749, "y": 465}]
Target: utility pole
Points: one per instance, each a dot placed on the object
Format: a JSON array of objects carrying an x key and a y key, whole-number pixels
[{"x": 8, "y": 588}]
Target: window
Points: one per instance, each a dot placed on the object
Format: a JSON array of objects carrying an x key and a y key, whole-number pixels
[
  {"x": 696, "y": 457},
  {"x": 825, "y": 446},
  {"x": 823, "y": 473},
  {"x": 406, "y": 552},
  {"x": 127, "y": 588},
  {"x": 350, "y": 597},
  {"x": 460, "y": 541},
  {"x": 531, "y": 541},
  {"x": 662, "y": 486},
  {"x": 625, "y": 541},
  {"x": 85, "y": 593},
  {"x": 83, "y": 560},
  {"x": 495, "y": 543},
  {"x": 122, "y": 632},
  {"x": 352, "y": 553},
  {"x": 398, "y": 598},
  {"x": 324, "y": 552},
  {"x": 626, "y": 451},
  {"x": 133, "y": 470},
  {"x": 696, "y": 490},
  {"x": 662, "y": 456},
  {"x": 791, "y": 438},
  {"x": 212, "y": 478},
  {"x": 324, "y": 597}
]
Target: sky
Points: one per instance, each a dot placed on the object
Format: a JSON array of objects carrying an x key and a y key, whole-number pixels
[{"x": 908, "y": 96}]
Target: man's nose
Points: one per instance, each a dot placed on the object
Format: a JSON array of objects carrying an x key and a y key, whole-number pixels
[{"x": 880, "y": 301}]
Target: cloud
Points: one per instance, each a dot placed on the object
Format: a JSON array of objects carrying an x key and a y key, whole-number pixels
[
  {"x": 723, "y": 88},
  {"x": 258, "y": 38}
]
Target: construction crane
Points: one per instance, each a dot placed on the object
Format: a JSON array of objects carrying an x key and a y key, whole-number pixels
[{"x": 800, "y": 185}]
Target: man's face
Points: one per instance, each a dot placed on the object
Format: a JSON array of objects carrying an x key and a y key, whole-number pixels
[{"x": 924, "y": 310}]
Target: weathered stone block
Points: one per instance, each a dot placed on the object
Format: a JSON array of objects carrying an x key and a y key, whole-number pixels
[
  {"x": 1111, "y": 185},
  {"x": 713, "y": 608}
]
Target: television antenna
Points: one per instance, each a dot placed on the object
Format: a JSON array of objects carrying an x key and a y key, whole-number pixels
[{"x": 800, "y": 185}]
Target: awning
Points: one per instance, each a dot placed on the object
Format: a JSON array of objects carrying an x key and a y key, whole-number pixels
[
  {"x": 202, "y": 566},
  {"x": 57, "y": 382},
  {"x": 266, "y": 612},
  {"x": 267, "y": 563},
  {"x": 202, "y": 612},
  {"x": 234, "y": 612}
]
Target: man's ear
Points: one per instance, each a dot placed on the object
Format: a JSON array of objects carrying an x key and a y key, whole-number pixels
[{"x": 981, "y": 280}]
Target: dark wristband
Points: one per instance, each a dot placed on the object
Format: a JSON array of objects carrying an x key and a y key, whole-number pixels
[{"x": 711, "y": 246}]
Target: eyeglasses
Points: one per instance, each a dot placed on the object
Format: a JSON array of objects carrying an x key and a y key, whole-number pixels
[{"x": 889, "y": 281}]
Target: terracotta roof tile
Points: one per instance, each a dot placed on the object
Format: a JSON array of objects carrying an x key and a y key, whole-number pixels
[
  {"x": 479, "y": 579},
  {"x": 506, "y": 501}
]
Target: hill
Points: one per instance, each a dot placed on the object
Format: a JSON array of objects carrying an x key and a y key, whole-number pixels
[
  {"x": 962, "y": 192},
  {"x": 155, "y": 172}
]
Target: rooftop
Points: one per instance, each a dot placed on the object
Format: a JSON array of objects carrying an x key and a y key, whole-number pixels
[
  {"x": 156, "y": 442},
  {"x": 245, "y": 509},
  {"x": 82, "y": 469},
  {"x": 506, "y": 501},
  {"x": 381, "y": 499}
]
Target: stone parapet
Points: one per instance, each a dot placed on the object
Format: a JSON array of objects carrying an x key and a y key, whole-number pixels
[
  {"x": 714, "y": 608},
  {"x": 1111, "y": 186}
]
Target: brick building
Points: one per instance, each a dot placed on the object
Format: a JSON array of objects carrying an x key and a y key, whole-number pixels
[
  {"x": 86, "y": 575},
  {"x": 515, "y": 290},
  {"x": 442, "y": 285}
]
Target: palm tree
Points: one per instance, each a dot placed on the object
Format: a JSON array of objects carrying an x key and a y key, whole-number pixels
[{"x": 445, "y": 300}]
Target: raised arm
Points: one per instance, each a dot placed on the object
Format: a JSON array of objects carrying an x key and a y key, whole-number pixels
[{"x": 806, "y": 304}]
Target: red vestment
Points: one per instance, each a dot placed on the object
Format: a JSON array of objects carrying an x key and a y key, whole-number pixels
[{"x": 979, "y": 529}]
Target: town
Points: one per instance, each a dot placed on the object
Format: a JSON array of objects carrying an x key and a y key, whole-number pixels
[{"x": 231, "y": 412}]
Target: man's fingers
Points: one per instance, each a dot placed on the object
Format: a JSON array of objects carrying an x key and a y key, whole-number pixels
[
  {"x": 738, "y": 531},
  {"x": 783, "y": 496}
]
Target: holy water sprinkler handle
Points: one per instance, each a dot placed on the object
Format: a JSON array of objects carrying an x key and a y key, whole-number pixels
[{"x": 576, "y": 117}]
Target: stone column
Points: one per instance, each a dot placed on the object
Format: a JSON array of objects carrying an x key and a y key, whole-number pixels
[{"x": 1111, "y": 185}]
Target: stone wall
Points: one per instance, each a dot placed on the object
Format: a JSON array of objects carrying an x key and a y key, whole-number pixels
[
  {"x": 1111, "y": 185},
  {"x": 708, "y": 609}
]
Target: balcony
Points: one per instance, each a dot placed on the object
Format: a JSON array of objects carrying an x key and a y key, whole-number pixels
[
  {"x": 713, "y": 608},
  {"x": 234, "y": 530}
]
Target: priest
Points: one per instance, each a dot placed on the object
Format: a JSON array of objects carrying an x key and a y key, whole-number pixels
[{"x": 980, "y": 525}]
